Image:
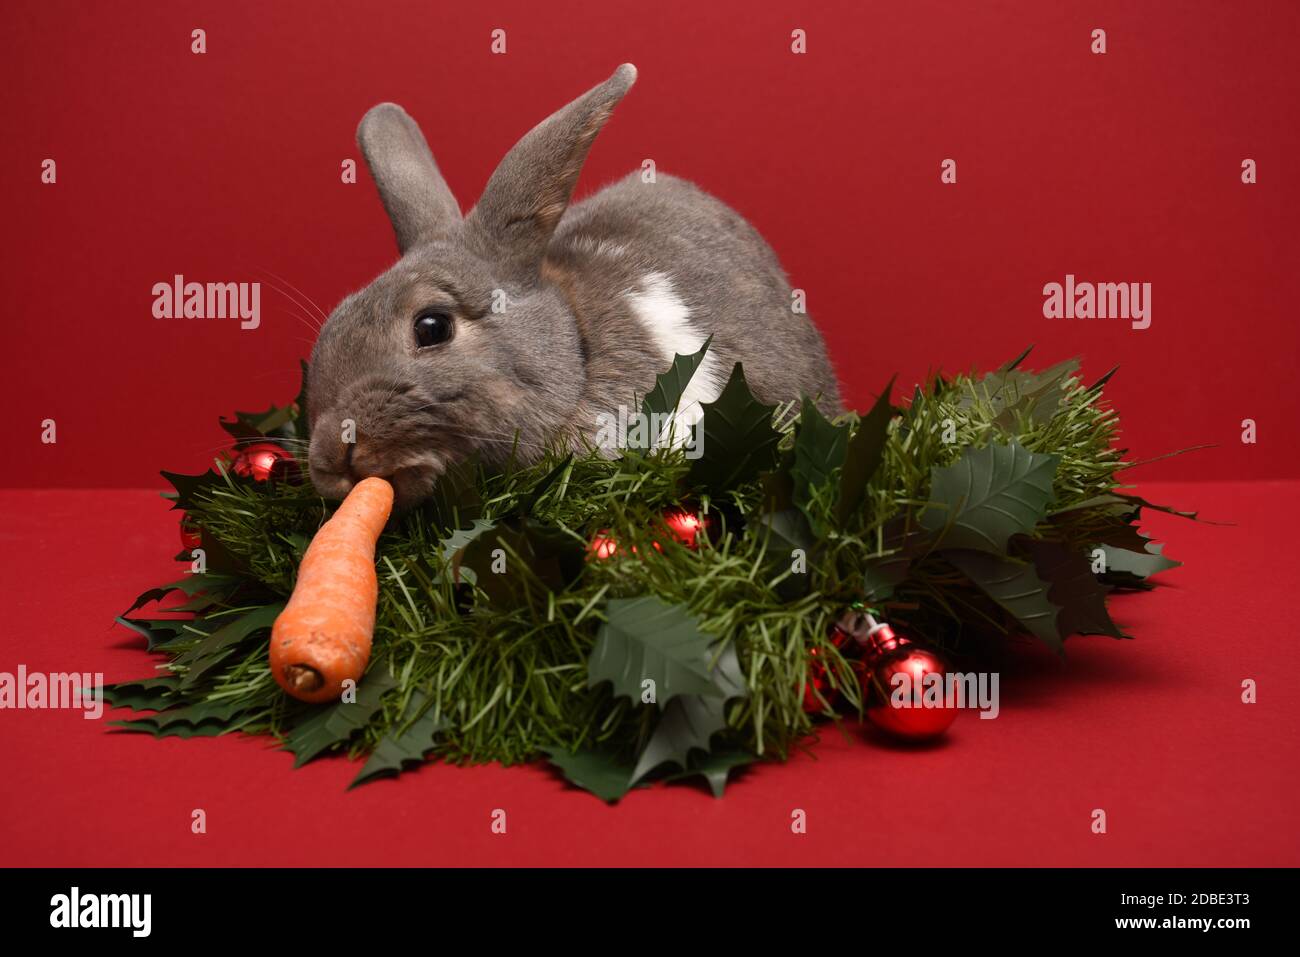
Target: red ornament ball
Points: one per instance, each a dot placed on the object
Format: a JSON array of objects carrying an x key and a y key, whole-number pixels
[
  {"x": 190, "y": 537},
  {"x": 686, "y": 527},
  {"x": 905, "y": 687},
  {"x": 263, "y": 461},
  {"x": 818, "y": 679},
  {"x": 602, "y": 545}
]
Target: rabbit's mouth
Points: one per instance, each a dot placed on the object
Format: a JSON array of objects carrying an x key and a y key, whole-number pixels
[
  {"x": 411, "y": 475},
  {"x": 413, "y": 483}
]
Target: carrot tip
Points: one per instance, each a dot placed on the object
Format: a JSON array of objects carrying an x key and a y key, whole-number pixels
[{"x": 303, "y": 678}]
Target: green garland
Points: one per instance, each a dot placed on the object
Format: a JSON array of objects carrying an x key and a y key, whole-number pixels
[{"x": 988, "y": 506}]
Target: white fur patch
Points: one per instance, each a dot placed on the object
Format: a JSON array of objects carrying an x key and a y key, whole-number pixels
[
  {"x": 663, "y": 314},
  {"x": 598, "y": 247}
]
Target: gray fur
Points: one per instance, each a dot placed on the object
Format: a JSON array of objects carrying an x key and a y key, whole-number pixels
[
  {"x": 568, "y": 345},
  {"x": 419, "y": 204}
]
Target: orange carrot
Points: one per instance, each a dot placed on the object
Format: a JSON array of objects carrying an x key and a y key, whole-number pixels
[{"x": 322, "y": 638}]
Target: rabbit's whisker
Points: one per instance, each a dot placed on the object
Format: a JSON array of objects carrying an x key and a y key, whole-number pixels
[
  {"x": 298, "y": 311},
  {"x": 300, "y": 300},
  {"x": 308, "y": 299}
]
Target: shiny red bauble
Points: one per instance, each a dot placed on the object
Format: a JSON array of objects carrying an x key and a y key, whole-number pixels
[
  {"x": 684, "y": 526},
  {"x": 904, "y": 686},
  {"x": 819, "y": 681},
  {"x": 190, "y": 537},
  {"x": 602, "y": 545},
  {"x": 262, "y": 461}
]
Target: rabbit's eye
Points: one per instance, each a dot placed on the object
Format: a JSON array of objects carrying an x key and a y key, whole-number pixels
[{"x": 432, "y": 328}]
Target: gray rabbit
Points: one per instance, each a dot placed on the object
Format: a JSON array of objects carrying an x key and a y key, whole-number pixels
[{"x": 528, "y": 322}]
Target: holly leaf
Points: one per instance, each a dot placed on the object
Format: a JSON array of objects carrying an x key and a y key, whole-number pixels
[
  {"x": 217, "y": 586},
  {"x": 1013, "y": 392},
  {"x": 209, "y": 729},
  {"x": 728, "y": 678},
  {"x": 253, "y": 426},
  {"x": 190, "y": 488},
  {"x": 150, "y": 694},
  {"x": 453, "y": 544},
  {"x": 689, "y": 721},
  {"x": 786, "y": 531},
  {"x": 279, "y": 421},
  {"x": 714, "y": 767},
  {"x": 604, "y": 774},
  {"x": 1017, "y": 587},
  {"x": 988, "y": 495},
  {"x": 889, "y": 568},
  {"x": 738, "y": 440},
  {"x": 1121, "y": 535},
  {"x": 399, "y": 751},
  {"x": 461, "y": 537},
  {"x": 327, "y": 726},
  {"x": 1074, "y": 588},
  {"x": 213, "y": 649},
  {"x": 203, "y": 718},
  {"x": 1140, "y": 564},
  {"x": 865, "y": 451},
  {"x": 819, "y": 452},
  {"x": 157, "y": 632},
  {"x": 647, "y": 639},
  {"x": 220, "y": 711},
  {"x": 1041, "y": 394},
  {"x": 777, "y": 486},
  {"x": 532, "y": 554},
  {"x": 205, "y": 601},
  {"x": 671, "y": 385}
]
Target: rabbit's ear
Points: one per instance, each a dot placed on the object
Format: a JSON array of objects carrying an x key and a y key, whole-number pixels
[
  {"x": 526, "y": 196},
  {"x": 417, "y": 199}
]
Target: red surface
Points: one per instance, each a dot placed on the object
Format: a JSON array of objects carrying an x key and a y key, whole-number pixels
[
  {"x": 1152, "y": 731},
  {"x": 225, "y": 167}
]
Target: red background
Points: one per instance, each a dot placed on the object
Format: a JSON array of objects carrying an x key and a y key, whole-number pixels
[{"x": 225, "y": 167}]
